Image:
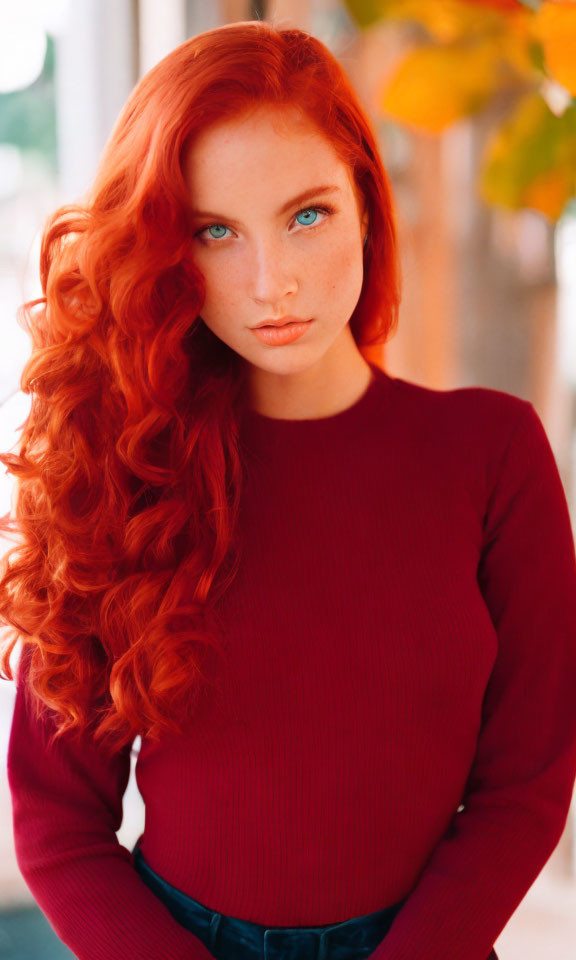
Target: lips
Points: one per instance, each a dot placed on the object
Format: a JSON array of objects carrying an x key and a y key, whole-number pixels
[
  {"x": 280, "y": 322},
  {"x": 285, "y": 333}
]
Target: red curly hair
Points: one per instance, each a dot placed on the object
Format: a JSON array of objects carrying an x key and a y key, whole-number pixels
[{"x": 129, "y": 470}]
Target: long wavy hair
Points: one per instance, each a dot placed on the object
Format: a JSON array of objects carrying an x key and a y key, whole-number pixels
[{"x": 129, "y": 468}]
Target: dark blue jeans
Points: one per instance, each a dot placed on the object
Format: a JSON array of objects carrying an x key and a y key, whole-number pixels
[{"x": 228, "y": 938}]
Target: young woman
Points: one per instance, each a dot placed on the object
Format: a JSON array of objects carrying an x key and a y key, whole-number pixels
[{"x": 338, "y": 607}]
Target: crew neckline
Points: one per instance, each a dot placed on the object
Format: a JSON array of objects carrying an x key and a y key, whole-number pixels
[{"x": 260, "y": 422}]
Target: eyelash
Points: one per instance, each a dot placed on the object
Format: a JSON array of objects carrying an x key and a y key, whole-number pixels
[{"x": 328, "y": 210}]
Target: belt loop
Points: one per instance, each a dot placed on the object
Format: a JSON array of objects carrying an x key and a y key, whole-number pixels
[
  {"x": 215, "y": 920},
  {"x": 322, "y": 945}
]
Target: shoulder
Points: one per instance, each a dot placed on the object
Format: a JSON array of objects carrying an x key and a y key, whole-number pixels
[
  {"x": 467, "y": 434},
  {"x": 478, "y": 414}
]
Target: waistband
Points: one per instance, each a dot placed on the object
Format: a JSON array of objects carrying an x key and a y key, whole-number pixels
[{"x": 224, "y": 935}]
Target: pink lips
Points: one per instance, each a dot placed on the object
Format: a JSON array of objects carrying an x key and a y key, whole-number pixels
[
  {"x": 281, "y": 334},
  {"x": 280, "y": 322}
]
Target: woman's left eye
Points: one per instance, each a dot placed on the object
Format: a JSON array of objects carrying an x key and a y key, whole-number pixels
[
  {"x": 326, "y": 211},
  {"x": 306, "y": 210}
]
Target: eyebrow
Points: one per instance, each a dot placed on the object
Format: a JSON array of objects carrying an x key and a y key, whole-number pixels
[{"x": 300, "y": 198}]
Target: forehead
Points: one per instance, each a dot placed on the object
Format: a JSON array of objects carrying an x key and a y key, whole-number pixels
[
  {"x": 281, "y": 149},
  {"x": 259, "y": 123}
]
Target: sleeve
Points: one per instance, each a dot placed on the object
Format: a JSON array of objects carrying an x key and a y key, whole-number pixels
[
  {"x": 67, "y": 807},
  {"x": 519, "y": 788}
]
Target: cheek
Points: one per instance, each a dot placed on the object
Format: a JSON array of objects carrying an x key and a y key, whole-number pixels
[
  {"x": 213, "y": 277},
  {"x": 342, "y": 266},
  {"x": 222, "y": 284}
]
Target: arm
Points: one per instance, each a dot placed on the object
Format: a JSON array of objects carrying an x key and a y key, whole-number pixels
[
  {"x": 67, "y": 807},
  {"x": 518, "y": 792}
]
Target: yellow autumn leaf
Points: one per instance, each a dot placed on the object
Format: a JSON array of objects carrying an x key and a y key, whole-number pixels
[
  {"x": 445, "y": 20},
  {"x": 554, "y": 25},
  {"x": 448, "y": 21},
  {"x": 434, "y": 86},
  {"x": 515, "y": 42}
]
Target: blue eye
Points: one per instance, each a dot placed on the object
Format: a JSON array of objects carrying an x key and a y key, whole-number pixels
[
  {"x": 216, "y": 226},
  {"x": 305, "y": 211}
]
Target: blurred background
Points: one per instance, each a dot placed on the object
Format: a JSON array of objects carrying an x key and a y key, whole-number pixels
[{"x": 474, "y": 104}]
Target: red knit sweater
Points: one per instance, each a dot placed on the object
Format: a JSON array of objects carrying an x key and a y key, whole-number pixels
[{"x": 398, "y": 709}]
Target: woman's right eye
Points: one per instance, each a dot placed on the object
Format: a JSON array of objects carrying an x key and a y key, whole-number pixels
[{"x": 210, "y": 227}]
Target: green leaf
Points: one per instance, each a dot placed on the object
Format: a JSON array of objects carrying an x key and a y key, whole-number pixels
[
  {"x": 364, "y": 12},
  {"x": 531, "y": 158}
]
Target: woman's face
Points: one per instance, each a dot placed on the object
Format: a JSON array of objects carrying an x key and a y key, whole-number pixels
[{"x": 265, "y": 250}]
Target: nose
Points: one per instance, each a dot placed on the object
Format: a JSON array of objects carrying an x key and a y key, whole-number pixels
[{"x": 274, "y": 274}]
